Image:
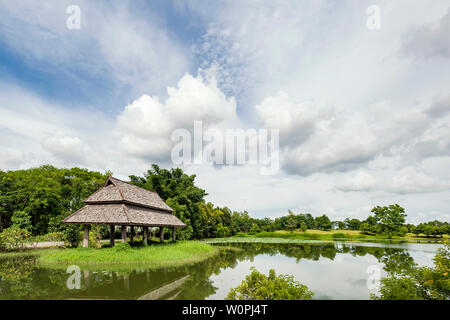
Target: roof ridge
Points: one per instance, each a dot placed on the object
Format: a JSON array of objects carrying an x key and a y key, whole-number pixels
[
  {"x": 132, "y": 184},
  {"x": 125, "y": 211}
]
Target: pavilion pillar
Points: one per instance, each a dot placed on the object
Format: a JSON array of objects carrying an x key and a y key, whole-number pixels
[
  {"x": 131, "y": 233},
  {"x": 161, "y": 234},
  {"x": 144, "y": 236},
  {"x": 173, "y": 233},
  {"x": 86, "y": 236},
  {"x": 124, "y": 234},
  {"x": 111, "y": 235}
]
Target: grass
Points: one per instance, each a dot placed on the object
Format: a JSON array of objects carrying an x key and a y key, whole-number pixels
[
  {"x": 317, "y": 235},
  {"x": 182, "y": 252}
]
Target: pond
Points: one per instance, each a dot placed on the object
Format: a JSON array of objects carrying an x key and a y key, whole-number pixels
[{"x": 336, "y": 270}]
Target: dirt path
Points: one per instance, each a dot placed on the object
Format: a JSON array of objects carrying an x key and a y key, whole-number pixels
[{"x": 45, "y": 244}]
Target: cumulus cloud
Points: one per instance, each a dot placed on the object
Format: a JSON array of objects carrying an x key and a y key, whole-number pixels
[
  {"x": 145, "y": 126},
  {"x": 296, "y": 121},
  {"x": 11, "y": 158},
  {"x": 68, "y": 149},
  {"x": 440, "y": 106},
  {"x": 361, "y": 181},
  {"x": 403, "y": 181},
  {"x": 344, "y": 143},
  {"x": 429, "y": 41}
]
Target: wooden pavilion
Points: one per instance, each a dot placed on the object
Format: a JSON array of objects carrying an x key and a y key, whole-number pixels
[{"x": 126, "y": 205}]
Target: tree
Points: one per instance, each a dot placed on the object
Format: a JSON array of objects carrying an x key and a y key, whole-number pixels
[
  {"x": 424, "y": 283},
  {"x": 390, "y": 219},
  {"x": 180, "y": 192},
  {"x": 303, "y": 226},
  {"x": 258, "y": 286},
  {"x": 352, "y": 224},
  {"x": 291, "y": 221},
  {"x": 21, "y": 220},
  {"x": 222, "y": 231},
  {"x": 43, "y": 193},
  {"x": 323, "y": 222}
]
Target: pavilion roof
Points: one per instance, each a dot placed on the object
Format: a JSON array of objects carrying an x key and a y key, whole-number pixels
[
  {"x": 115, "y": 190},
  {"x": 123, "y": 214},
  {"x": 121, "y": 203}
]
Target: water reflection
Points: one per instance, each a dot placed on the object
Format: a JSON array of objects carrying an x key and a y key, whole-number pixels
[{"x": 332, "y": 271}]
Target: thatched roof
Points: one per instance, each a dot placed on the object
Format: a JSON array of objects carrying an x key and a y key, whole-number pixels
[
  {"x": 115, "y": 190},
  {"x": 121, "y": 203}
]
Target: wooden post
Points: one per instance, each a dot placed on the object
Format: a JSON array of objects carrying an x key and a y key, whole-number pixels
[
  {"x": 124, "y": 234},
  {"x": 86, "y": 278},
  {"x": 111, "y": 235},
  {"x": 161, "y": 234},
  {"x": 131, "y": 233},
  {"x": 173, "y": 233},
  {"x": 144, "y": 235},
  {"x": 86, "y": 236}
]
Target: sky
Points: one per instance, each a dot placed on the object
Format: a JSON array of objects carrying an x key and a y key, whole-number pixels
[{"x": 363, "y": 113}]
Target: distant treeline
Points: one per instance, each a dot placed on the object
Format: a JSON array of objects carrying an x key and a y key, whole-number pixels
[{"x": 37, "y": 199}]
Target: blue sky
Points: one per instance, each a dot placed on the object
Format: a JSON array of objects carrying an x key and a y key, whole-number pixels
[{"x": 364, "y": 115}]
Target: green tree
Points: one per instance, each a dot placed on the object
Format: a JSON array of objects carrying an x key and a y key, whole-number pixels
[
  {"x": 390, "y": 219},
  {"x": 291, "y": 223},
  {"x": 423, "y": 283},
  {"x": 303, "y": 226},
  {"x": 222, "y": 231},
  {"x": 21, "y": 220},
  {"x": 258, "y": 286},
  {"x": 323, "y": 222},
  {"x": 180, "y": 192}
]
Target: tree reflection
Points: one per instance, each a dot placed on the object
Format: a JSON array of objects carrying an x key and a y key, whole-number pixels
[{"x": 24, "y": 278}]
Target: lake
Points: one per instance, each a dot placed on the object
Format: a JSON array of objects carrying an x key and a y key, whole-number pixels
[{"x": 336, "y": 270}]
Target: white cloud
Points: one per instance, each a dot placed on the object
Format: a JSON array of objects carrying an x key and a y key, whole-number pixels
[
  {"x": 296, "y": 121},
  {"x": 145, "y": 126},
  {"x": 429, "y": 41},
  {"x": 354, "y": 114},
  {"x": 11, "y": 158},
  {"x": 361, "y": 181},
  {"x": 135, "y": 52},
  {"x": 344, "y": 143},
  {"x": 407, "y": 180},
  {"x": 68, "y": 149}
]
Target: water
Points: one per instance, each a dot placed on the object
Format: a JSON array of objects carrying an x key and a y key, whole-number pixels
[{"x": 331, "y": 271}]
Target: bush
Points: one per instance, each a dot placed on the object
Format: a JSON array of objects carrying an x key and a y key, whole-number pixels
[
  {"x": 241, "y": 235},
  {"x": 13, "y": 238},
  {"x": 21, "y": 220},
  {"x": 420, "y": 283},
  {"x": 72, "y": 236},
  {"x": 52, "y": 237},
  {"x": 339, "y": 235},
  {"x": 94, "y": 237},
  {"x": 258, "y": 286},
  {"x": 122, "y": 246}
]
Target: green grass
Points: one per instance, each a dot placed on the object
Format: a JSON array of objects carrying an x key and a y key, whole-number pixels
[
  {"x": 182, "y": 252},
  {"x": 316, "y": 235}
]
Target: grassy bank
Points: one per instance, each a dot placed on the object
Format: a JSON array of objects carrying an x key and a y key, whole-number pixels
[
  {"x": 155, "y": 255},
  {"x": 318, "y": 235}
]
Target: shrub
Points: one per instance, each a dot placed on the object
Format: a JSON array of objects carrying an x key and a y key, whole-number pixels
[
  {"x": 94, "y": 237},
  {"x": 339, "y": 235},
  {"x": 52, "y": 236},
  {"x": 420, "y": 283},
  {"x": 258, "y": 286},
  {"x": 21, "y": 220},
  {"x": 72, "y": 236},
  {"x": 13, "y": 238},
  {"x": 122, "y": 246}
]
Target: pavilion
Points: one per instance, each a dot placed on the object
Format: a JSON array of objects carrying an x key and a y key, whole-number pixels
[{"x": 126, "y": 205}]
